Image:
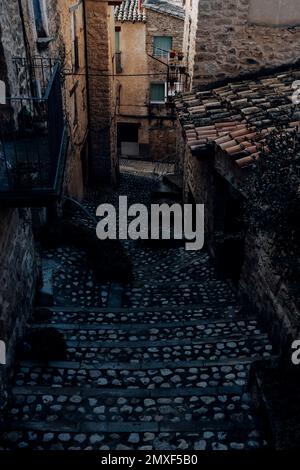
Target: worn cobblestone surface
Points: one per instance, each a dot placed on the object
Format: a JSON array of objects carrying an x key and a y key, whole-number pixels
[{"x": 168, "y": 370}]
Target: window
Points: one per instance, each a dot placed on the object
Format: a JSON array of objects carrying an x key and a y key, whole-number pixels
[
  {"x": 158, "y": 93},
  {"x": 118, "y": 49},
  {"x": 40, "y": 18},
  {"x": 118, "y": 39},
  {"x": 75, "y": 42},
  {"x": 162, "y": 45}
]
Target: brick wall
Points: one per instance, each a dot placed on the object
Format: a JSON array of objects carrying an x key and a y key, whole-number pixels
[{"x": 225, "y": 43}]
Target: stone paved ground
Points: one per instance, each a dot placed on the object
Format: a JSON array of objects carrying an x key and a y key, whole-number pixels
[{"x": 168, "y": 370}]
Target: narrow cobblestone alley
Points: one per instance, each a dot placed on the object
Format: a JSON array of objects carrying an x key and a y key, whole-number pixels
[{"x": 167, "y": 369}]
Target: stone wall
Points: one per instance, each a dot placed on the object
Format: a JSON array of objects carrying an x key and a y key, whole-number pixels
[
  {"x": 159, "y": 24},
  {"x": 12, "y": 44},
  {"x": 100, "y": 46},
  {"x": 162, "y": 138},
  {"x": 18, "y": 271},
  {"x": 226, "y": 42},
  {"x": 269, "y": 294},
  {"x": 18, "y": 275},
  {"x": 198, "y": 186},
  {"x": 239, "y": 256}
]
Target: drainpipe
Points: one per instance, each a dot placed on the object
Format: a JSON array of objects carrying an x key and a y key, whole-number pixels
[{"x": 88, "y": 99}]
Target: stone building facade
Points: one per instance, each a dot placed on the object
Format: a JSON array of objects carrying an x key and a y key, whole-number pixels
[
  {"x": 34, "y": 35},
  {"x": 18, "y": 272},
  {"x": 59, "y": 34},
  {"x": 146, "y": 123},
  {"x": 227, "y": 38}
]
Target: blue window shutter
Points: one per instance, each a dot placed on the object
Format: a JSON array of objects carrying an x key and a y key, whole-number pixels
[
  {"x": 162, "y": 45},
  {"x": 157, "y": 93},
  {"x": 38, "y": 19}
]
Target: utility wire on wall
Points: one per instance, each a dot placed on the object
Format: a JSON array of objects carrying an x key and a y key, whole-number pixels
[{"x": 115, "y": 75}]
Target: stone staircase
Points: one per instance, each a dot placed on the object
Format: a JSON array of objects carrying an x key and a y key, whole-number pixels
[
  {"x": 160, "y": 373},
  {"x": 168, "y": 370}
]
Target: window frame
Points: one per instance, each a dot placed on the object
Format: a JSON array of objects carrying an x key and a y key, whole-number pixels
[
  {"x": 42, "y": 30},
  {"x": 164, "y": 84},
  {"x": 162, "y": 54}
]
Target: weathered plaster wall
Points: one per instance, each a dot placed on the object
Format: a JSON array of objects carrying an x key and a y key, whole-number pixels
[
  {"x": 133, "y": 96},
  {"x": 157, "y": 129}
]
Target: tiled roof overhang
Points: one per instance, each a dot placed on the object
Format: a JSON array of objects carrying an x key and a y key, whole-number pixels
[
  {"x": 237, "y": 117},
  {"x": 129, "y": 11}
]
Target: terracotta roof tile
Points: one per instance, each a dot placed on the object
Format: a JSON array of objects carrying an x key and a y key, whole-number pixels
[
  {"x": 238, "y": 116},
  {"x": 129, "y": 11}
]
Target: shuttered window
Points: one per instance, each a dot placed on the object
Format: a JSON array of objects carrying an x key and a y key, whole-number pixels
[
  {"x": 162, "y": 45},
  {"x": 158, "y": 93},
  {"x": 38, "y": 18}
]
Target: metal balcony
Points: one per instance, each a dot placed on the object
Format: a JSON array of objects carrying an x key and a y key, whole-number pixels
[{"x": 33, "y": 137}]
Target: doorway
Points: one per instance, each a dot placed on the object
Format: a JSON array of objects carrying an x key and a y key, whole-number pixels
[{"x": 128, "y": 140}]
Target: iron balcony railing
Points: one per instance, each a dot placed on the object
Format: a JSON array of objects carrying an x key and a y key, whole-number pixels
[{"x": 33, "y": 137}]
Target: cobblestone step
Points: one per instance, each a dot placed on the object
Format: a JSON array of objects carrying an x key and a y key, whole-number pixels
[
  {"x": 181, "y": 409},
  {"x": 146, "y": 315},
  {"x": 167, "y": 371},
  {"x": 166, "y": 350},
  {"x": 161, "y": 331},
  {"x": 66, "y": 439},
  {"x": 179, "y": 294},
  {"x": 148, "y": 377}
]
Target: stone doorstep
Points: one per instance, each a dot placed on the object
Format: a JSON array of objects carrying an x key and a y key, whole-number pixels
[
  {"x": 163, "y": 343},
  {"x": 141, "y": 326},
  {"x": 84, "y": 391},
  {"x": 143, "y": 365}
]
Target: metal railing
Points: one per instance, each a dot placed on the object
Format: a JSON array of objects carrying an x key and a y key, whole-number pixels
[{"x": 33, "y": 135}]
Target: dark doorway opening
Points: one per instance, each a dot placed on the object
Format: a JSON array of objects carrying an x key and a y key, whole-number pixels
[
  {"x": 229, "y": 230},
  {"x": 128, "y": 140}
]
